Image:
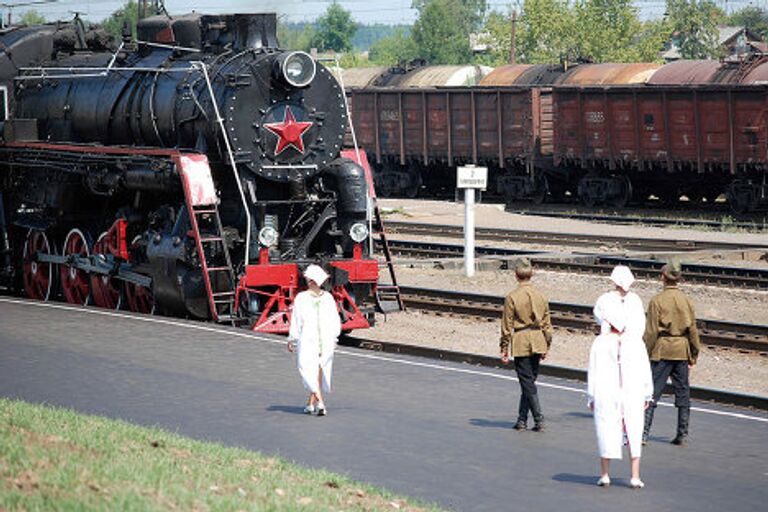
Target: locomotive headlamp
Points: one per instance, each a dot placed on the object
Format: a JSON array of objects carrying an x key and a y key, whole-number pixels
[
  {"x": 358, "y": 232},
  {"x": 268, "y": 236},
  {"x": 297, "y": 68}
]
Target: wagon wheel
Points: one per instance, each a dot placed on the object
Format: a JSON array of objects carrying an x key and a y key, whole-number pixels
[
  {"x": 625, "y": 193},
  {"x": 540, "y": 189},
  {"x": 138, "y": 299},
  {"x": 105, "y": 289},
  {"x": 38, "y": 277},
  {"x": 75, "y": 283}
]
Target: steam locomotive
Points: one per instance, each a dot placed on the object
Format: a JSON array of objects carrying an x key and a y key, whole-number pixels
[{"x": 193, "y": 171}]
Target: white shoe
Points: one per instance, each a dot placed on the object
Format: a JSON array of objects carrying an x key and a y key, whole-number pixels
[
  {"x": 321, "y": 410},
  {"x": 636, "y": 483},
  {"x": 309, "y": 409},
  {"x": 604, "y": 481}
]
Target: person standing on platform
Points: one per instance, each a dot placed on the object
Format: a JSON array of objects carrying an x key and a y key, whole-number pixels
[
  {"x": 315, "y": 327},
  {"x": 619, "y": 382},
  {"x": 672, "y": 340},
  {"x": 526, "y": 335}
]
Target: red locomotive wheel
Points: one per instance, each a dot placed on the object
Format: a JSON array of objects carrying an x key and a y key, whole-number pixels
[
  {"x": 38, "y": 277},
  {"x": 138, "y": 298},
  {"x": 104, "y": 289},
  {"x": 75, "y": 283}
]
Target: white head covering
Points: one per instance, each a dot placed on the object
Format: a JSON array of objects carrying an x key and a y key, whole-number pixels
[
  {"x": 316, "y": 273},
  {"x": 622, "y": 277}
]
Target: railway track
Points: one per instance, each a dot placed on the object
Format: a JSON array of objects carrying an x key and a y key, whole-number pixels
[
  {"x": 592, "y": 263},
  {"x": 565, "y": 239},
  {"x": 578, "y": 317},
  {"x": 756, "y": 225}
]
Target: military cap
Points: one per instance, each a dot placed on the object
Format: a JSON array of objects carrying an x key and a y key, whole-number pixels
[
  {"x": 523, "y": 264},
  {"x": 672, "y": 270}
]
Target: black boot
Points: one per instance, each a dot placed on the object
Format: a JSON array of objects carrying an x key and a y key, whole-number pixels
[
  {"x": 648, "y": 421},
  {"x": 522, "y": 414},
  {"x": 538, "y": 418},
  {"x": 683, "y": 417}
]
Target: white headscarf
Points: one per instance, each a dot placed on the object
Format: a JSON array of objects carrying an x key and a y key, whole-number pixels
[
  {"x": 622, "y": 277},
  {"x": 316, "y": 273}
]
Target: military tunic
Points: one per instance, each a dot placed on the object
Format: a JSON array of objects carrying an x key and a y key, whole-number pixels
[
  {"x": 526, "y": 326},
  {"x": 670, "y": 329}
]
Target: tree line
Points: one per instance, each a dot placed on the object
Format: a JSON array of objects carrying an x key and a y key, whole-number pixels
[{"x": 546, "y": 31}]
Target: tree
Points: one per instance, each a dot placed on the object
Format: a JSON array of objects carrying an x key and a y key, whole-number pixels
[
  {"x": 611, "y": 31},
  {"x": 473, "y": 11},
  {"x": 128, "y": 13},
  {"x": 694, "y": 26},
  {"x": 32, "y": 17},
  {"x": 755, "y": 19},
  {"x": 335, "y": 30},
  {"x": 441, "y": 32},
  {"x": 296, "y": 37},
  {"x": 395, "y": 49},
  {"x": 545, "y": 32}
]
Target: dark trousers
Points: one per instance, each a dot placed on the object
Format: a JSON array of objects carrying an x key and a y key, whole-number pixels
[
  {"x": 527, "y": 369},
  {"x": 662, "y": 370}
]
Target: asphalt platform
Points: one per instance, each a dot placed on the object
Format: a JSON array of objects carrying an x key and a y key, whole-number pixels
[{"x": 434, "y": 430}]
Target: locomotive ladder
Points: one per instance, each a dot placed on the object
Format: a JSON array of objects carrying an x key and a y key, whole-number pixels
[
  {"x": 388, "y": 298},
  {"x": 202, "y": 205}
]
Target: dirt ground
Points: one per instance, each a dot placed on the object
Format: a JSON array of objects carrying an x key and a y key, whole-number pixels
[{"x": 717, "y": 368}]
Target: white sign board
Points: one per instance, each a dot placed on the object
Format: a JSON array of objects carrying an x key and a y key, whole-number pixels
[{"x": 471, "y": 177}]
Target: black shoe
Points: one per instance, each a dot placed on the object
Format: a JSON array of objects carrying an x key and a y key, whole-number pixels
[
  {"x": 520, "y": 426},
  {"x": 539, "y": 426},
  {"x": 679, "y": 441}
]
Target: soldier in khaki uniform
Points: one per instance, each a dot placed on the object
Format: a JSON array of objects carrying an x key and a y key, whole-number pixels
[
  {"x": 526, "y": 334},
  {"x": 672, "y": 340}
]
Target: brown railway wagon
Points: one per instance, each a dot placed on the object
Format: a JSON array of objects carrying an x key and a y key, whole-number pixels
[
  {"x": 705, "y": 128},
  {"x": 446, "y": 124},
  {"x": 419, "y": 128},
  {"x": 681, "y": 132}
]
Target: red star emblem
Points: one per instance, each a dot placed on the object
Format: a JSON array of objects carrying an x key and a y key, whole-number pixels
[{"x": 289, "y": 132}]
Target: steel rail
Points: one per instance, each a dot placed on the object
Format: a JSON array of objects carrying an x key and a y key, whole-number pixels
[
  {"x": 594, "y": 263},
  {"x": 566, "y": 239},
  {"x": 648, "y": 221},
  {"x": 715, "y": 395},
  {"x": 579, "y": 317}
]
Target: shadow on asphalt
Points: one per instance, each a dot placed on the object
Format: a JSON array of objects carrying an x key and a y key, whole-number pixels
[
  {"x": 291, "y": 409},
  {"x": 575, "y": 479},
  {"x": 575, "y": 414},
  {"x": 480, "y": 422}
]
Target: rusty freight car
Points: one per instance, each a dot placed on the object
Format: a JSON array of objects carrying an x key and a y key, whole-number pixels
[
  {"x": 696, "y": 129},
  {"x": 413, "y": 134}
]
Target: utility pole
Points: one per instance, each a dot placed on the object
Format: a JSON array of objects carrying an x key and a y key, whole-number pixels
[{"x": 513, "y": 42}]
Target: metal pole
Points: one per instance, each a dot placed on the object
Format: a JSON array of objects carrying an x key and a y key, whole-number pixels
[
  {"x": 513, "y": 40},
  {"x": 469, "y": 232}
]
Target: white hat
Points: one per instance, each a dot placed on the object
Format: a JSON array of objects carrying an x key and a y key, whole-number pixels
[
  {"x": 316, "y": 273},
  {"x": 622, "y": 277}
]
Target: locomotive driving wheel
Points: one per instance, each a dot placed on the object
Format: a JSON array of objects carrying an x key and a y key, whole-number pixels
[
  {"x": 75, "y": 282},
  {"x": 138, "y": 299},
  {"x": 38, "y": 277},
  {"x": 105, "y": 289}
]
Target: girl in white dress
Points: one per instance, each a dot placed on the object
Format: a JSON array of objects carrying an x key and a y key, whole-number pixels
[
  {"x": 315, "y": 327},
  {"x": 620, "y": 386}
]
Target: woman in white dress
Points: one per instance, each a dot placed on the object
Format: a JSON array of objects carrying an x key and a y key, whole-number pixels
[
  {"x": 620, "y": 386},
  {"x": 315, "y": 327}
]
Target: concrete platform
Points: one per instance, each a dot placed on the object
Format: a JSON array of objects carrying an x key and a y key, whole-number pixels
[{"x": 438, "y": 431}]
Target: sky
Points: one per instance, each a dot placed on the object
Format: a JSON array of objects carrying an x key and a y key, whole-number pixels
[{"x": 363, "y": 11}]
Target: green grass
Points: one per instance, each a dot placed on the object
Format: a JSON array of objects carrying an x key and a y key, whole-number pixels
[{"x": 56, "y": 459}]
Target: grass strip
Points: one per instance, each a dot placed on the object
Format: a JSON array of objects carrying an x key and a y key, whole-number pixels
[{"x": 57, "y": 459}]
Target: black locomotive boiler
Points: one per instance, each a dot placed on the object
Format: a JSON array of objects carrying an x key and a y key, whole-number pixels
[{"x": 194, "y": 170}]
